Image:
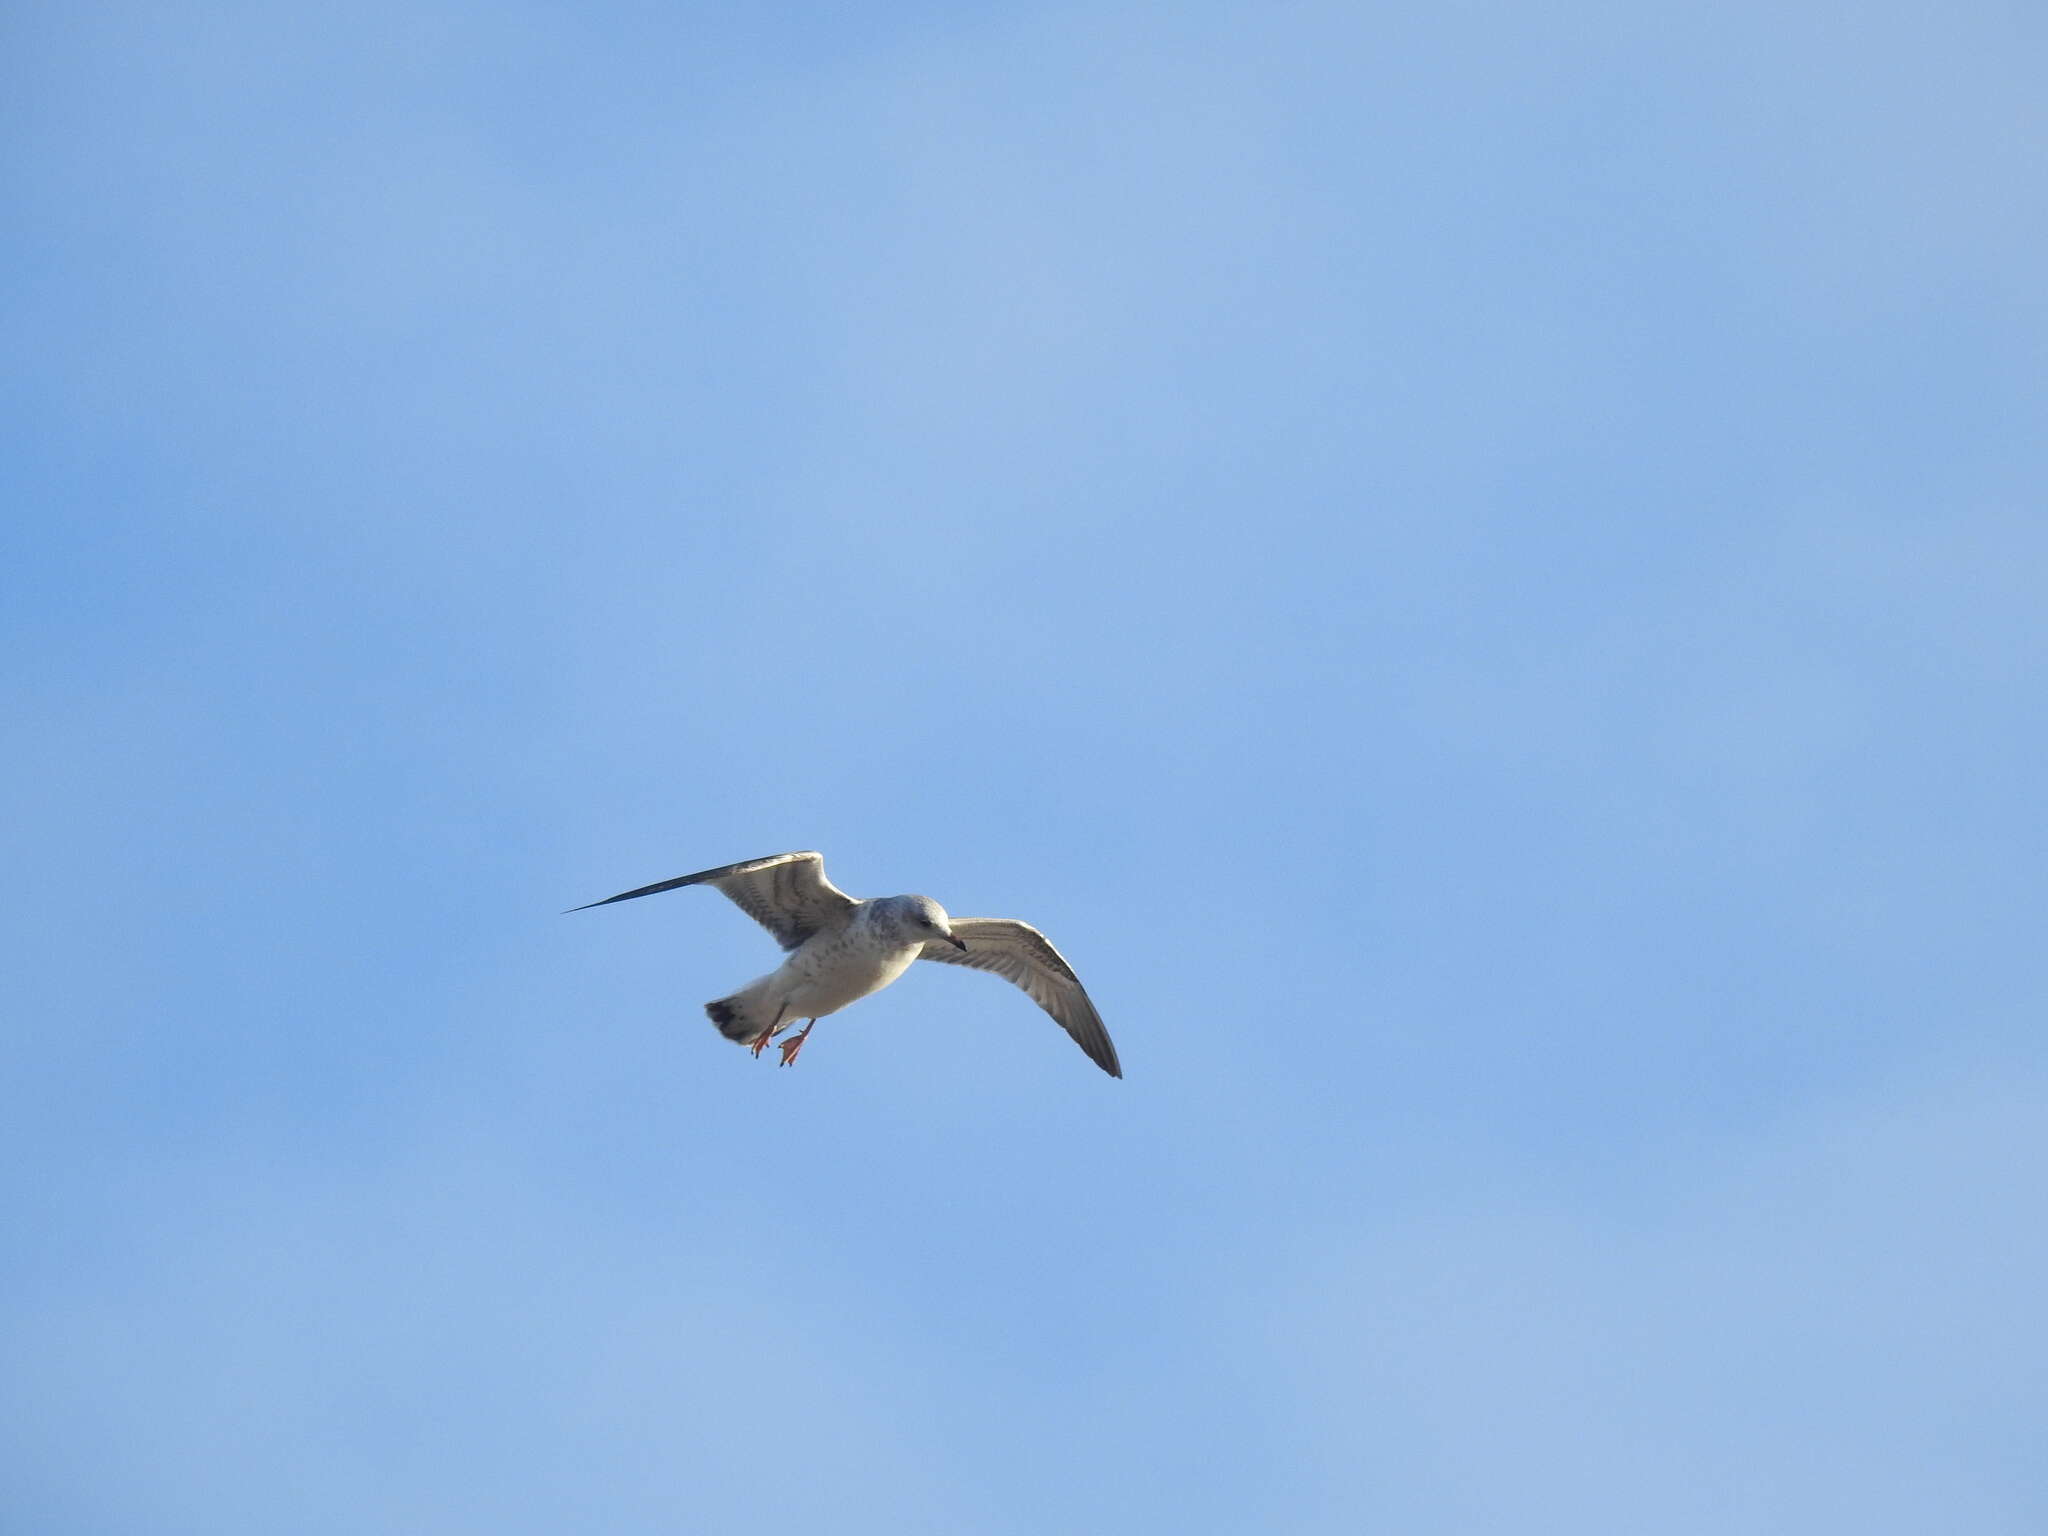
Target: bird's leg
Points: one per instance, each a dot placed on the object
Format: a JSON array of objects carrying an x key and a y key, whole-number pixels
[
  {"x": 761, "y": 1040},
  {"x": 795, "y": 1043}
]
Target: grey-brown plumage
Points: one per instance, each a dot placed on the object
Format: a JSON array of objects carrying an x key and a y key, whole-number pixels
[
  {"x": 842, "y": 949},
  {"x": 1018, "y": 952}
]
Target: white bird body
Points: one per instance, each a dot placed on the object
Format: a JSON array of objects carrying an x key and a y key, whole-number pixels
[
  {"x": 842, "y": 950},
  {"x": 831, "y": 969}
]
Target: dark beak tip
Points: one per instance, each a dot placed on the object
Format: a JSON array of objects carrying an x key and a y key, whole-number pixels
[{"x": 959, "y": 944}]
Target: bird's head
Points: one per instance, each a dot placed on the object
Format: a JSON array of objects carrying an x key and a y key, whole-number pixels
[{"x": 924, "y": 920}]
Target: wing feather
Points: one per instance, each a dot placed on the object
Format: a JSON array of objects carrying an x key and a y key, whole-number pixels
[
  {"x": 786, "y": 893},
  {"x": 1019, "y": 953}
]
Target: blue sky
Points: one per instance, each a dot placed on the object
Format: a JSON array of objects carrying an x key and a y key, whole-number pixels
[{"x": 1480, "y": 572}]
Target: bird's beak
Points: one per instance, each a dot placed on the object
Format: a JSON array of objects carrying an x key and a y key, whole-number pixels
[{"x": 959, "y": 944}]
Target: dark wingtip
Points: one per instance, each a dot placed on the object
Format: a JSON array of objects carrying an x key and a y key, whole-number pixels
[
  {"x": 1104, "y": 1057},
  {"x": 645, "y": 890}
]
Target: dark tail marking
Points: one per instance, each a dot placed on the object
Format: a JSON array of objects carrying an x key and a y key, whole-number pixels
[{"x": 730, "y": 1021}]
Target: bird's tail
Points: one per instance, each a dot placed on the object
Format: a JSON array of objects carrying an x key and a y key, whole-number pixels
[{"x": 745, "y": 1016}]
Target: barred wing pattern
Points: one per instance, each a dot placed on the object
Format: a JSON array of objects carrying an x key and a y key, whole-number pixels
[
  {"x": 786, "y": 893},
  {"x": 1018, "y": 952}
]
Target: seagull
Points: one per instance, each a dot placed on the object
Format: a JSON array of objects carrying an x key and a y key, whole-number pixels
[{"x": 841, "y": 949}]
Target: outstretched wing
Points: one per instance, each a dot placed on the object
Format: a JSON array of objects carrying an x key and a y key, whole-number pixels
[
  {"x": 1019, "y": 952},
  {"x": 787, "y": 894}
]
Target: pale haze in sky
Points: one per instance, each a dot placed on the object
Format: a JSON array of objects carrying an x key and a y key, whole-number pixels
[{"x": 1479, "y": 569}]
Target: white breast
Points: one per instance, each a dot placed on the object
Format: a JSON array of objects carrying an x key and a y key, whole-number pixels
[{"x": 828, "y": 973}]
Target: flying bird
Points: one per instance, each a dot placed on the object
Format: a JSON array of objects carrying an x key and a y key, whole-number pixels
[{"x": 841, "y": 949}]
